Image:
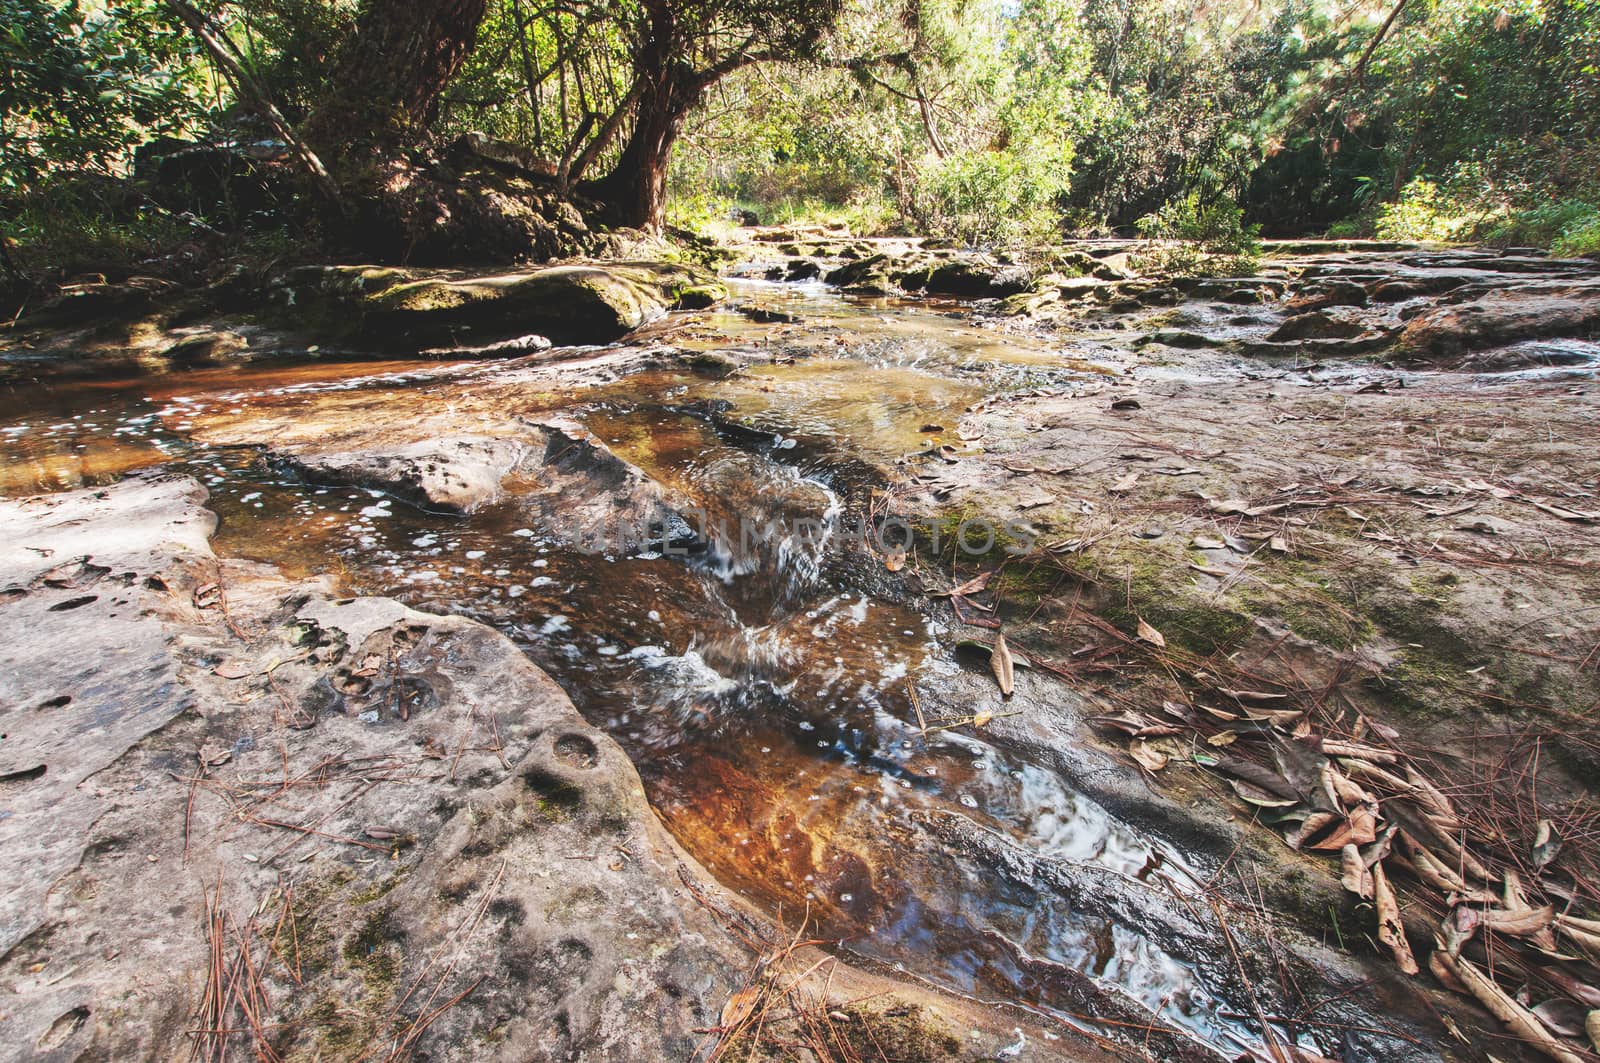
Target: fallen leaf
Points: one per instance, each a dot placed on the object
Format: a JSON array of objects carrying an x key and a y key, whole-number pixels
[
  {"x": 974, "y": 585},
  {"x": 1004, "y": 669},
  {"x": 1517, "y": 1018},
  {"x": 1356, "y": 876},
  {"x": 1391, "y": 931},
  {"x": 1251, "y": 695},
  {"x": 1546, "y": 845},
  {"x": 234, "y": 669},
  {"x": 739, "y": 1008},
  {"x": 1151, "y": 635},
  {"x": 1223, "y": 738},
  {"x": 1230, "y": 506},
  {"x": 1125, "y": 484},
  {"x": 1251, "y": 794},
  {"x": 1148, "y": 757},
  {"x": 1207, "y": 542},
  {"x": 1460, "y": 927},
  {"x": 1564, "y": 1018},
  {"x": 894, "y": 560},
  {"x": 1591, "y": 1026},
  {"x": 982, "y": 718},
  {"x": 1519, "y": 924}
]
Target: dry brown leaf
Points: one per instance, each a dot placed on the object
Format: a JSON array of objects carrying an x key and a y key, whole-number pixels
[
  {"x": 1584, "y": 936},
  {"x": 1446, "y": 975},
  {"x": 1525, "y": 923},
  {"x": 1313, "y": 827},
  {"x": 1521, "y": 1022},
  {"x": 1591, "y": 1026},
  {"x": 1442, "y": 877},
  {"x": 1562, "y": 1017},
  {"x": 739, "y": 1008},
  {"x": 1460, "y": 927},
  {"x": 1004, "y": 667},
  {"x": 1125, "y": 484},
  {"x": 1148, "y": 756},
  {"x": 894, "y": 560},
  {"x": 1257, "y": 696},
  {"x": 1391, "y": 931},
  {"x": 974, "y": 585},
  {"x": 1223, "y": 738},
  {"x": 1355, "y": 876},
  {"x": 1151, "y": 635},
  {"x": 982, "y": 718},
  {"x": 1546, "y": 845}
]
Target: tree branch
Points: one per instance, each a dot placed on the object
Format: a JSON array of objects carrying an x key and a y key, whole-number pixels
[{"x": 251, "y": 92}]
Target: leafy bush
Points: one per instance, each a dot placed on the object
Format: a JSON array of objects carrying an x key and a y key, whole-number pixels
[
  {"x": 1582, "y": 237},
  {"x": 1424, "y": 211},
  {"x": 81, "y": 88},
  {"x": 1199, "y": 236},
  {"x": 988, "y": 197}
]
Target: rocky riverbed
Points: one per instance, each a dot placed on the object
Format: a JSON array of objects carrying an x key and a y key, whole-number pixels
[{"x": 391, "y": 676}]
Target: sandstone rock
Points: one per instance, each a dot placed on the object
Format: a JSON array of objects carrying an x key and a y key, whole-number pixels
[
  {"x": 1325, "y": 294},
  {"x": 571, "y": 304},
  {"x": 1318, "y": 325},
  {"x": 700, "y": 297},
  {"x": 381, "y": 827},
  {"x": 1503, "y": 316}
]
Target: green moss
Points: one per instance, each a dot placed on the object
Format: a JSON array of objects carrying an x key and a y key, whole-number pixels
[
  {"x": 381, "y": 888},
  {"x": 985, "y": 540},
  {"x": 699, "y": 296},
  {"x": 374, "y": 951},
  {"x": 1151, "y": 582}
]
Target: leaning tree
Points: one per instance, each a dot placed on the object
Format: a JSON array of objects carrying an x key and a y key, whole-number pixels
[{"x": 679, "y": 50}]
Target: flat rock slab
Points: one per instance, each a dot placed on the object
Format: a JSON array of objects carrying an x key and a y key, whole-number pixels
[
  {"x": 337, "y": 827},
  {"x": 389, "y": 306},
  {"x": 1504, "y": 316}
]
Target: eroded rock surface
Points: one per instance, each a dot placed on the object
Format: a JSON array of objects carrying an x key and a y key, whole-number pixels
[
  {"x": 327, "y": 825},
  {"x": 570, "y": 303}
]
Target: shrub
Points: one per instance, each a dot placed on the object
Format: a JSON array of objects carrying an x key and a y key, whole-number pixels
[
  {"x": 1198, "y": 235},
  {"x": 987, "y": 197}
]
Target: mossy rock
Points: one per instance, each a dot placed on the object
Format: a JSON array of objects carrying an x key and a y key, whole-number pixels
[
  {"x": 700, "y": 297},
  {"x": 570, "y": 304}
]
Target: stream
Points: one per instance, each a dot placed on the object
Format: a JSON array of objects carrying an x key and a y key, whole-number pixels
[{"x": 764, "y": 691}]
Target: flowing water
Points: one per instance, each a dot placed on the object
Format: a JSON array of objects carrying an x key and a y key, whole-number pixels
[{"x": 764, "y": 692}]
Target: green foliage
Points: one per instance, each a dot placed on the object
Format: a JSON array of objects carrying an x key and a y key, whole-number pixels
[
  {"x": 1197, "y": 236},
  {"x": 1581, "y": 236},
  {"x": 1422, "y": 212},
  {"x": 988, "y": 197},
  {"x": 81, "y": 86}
]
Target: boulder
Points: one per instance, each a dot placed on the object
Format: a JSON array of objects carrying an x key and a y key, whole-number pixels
[
  {"x": 700, "y": 297},
  {"x": 1503, "y": 316},
  {"x": 1317, "y": 325},
  {"x": 392, "y": 307},
  {"x": 1327, "y": 293}
]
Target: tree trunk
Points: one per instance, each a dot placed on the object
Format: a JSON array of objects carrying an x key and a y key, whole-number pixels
[
  {"x": 385, "y": 89},
  {"x": 636, "y": 188},
  {"x": 668, "y": 89}
]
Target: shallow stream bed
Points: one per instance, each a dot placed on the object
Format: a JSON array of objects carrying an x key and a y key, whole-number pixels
[{"x": 766, "y": 693}]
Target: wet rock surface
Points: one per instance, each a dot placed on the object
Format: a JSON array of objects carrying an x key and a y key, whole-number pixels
[
  {"x": 337, "y": 823},
  {"x": 1228, "y": 460},
  {"x": 570, "y": 304}
]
